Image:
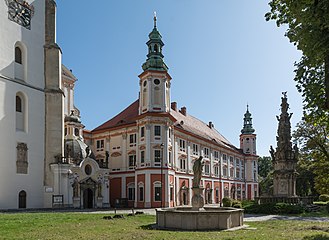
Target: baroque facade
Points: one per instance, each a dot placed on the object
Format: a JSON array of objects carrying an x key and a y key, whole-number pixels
[{"x": 152, "y": 145}]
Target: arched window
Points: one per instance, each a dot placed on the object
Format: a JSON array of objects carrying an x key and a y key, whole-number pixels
[
  {"x": 131, "y": 191},
  {"x": 144, "y": 97},
  {"x": 157, "y": 96},
  {"x": 20, "y": 113},
  {"x": 18, "y": 55},
  {"x": 18, "y": 104},
  {"x": 22, "y": 199},
  {"x": 155, "y": 48},
  {"x": 76, "y": 132},
  {"x": 20, "y": 61}
]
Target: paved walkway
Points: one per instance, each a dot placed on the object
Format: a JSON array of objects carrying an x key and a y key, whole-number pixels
[{"x": 247, "y": 217}]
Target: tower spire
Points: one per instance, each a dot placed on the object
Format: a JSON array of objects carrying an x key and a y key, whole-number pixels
[
  {"x": 247, "y": 123},
  {"x": 155, "y": 19},
  {"x": 154, "y": 59}
]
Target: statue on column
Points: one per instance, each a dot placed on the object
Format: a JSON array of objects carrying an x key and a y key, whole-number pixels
[
  {"x": 197, "y": 169},
  {"x": 75, "y": 186}
]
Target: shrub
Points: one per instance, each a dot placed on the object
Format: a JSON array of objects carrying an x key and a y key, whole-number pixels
[
  {"x": 227, "y": 202},
  {"x": 324, "y": 198},
  {"x": 274, "y": 208},
  {"x": 236, "y": 204}
]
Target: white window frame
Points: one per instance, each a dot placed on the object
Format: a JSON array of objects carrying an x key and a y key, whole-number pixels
[{"x": 131, "y": 190}]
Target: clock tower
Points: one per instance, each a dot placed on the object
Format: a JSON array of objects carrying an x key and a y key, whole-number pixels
[
  {"x": 155, "y": 80},
  {"x": 247, "y": 137}
]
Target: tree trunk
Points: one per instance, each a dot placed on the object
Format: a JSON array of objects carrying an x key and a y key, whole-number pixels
[{"x": 326, "y": 79}]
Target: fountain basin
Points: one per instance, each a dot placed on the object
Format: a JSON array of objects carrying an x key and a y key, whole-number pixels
[{"x": 208, "y": 218}]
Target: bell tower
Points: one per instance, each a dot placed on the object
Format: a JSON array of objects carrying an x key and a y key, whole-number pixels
[
  {"x": 155, "y": 80},
  {"x": 247, "y": 136}
]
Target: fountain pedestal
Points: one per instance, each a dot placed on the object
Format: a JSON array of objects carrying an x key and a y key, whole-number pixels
[{"x": 197, "y": 198}]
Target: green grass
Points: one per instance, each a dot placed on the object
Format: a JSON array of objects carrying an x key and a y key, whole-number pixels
[{"x": 93, "y": 226}]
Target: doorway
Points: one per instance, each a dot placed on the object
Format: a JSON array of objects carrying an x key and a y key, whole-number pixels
[
  {"x": 22, "y": 199},
  {"x": 88, "y": 198}
]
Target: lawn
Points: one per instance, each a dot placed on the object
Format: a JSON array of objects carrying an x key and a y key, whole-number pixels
[{"x": 93, "y": 226}]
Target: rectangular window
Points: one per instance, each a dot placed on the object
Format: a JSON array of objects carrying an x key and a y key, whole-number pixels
[
  {"x": 142, "y": 156},
  {"x": 157, "y": 193},
  {"x": 206, "y": 152},
  {"x": 195, "y": 149},
  {"x": 132, "y": 140},
  {"x": 157, "y": 131},
  {"x": 238, "y": 173},
  {"x": 224, "y": 158},
  {"x": 183, "y": 164},
  {"x": 142, "y": 131},
  {"x": 99, "y": 145},
  {"x": 171, "y": 194},
  {"x": 157, "y": 156},
  {"x": 132, "y": 161},
  {"x": 242, "y": 173},
  {"x": 216, "y": 155},
  {"x": 182, "y": 145},
  {"x": 207, "y": 169},
  {"x": 141, "y": 194},
  {"x": 170, "y": 158},
  {"x": 131, "y": 193},
  {"x": 225, "y": 171},
  {"x": 216, "y": 168}
]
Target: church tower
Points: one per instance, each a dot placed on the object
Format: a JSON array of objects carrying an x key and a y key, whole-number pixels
[
  {"x": 247, "y": 137},
  {"x": 155, "y": 80}
]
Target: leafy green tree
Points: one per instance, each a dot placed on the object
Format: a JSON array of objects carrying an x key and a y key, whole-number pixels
[
  {"x": 265, "y": 172},
  {"x": 313, "y": 139},
  {"x": 308, "y": 29},
  {"x": 264, "y": 166}
]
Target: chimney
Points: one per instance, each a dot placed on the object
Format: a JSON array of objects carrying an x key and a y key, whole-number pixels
[
  {"x": 174, "y": 106},
  {"x": 183, "y": 111},
  {"x": 211, "y": 125}
]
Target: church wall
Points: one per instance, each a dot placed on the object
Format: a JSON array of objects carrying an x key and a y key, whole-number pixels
[{"x": 30, "y": 85}]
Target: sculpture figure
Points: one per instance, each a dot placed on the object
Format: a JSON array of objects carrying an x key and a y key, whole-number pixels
[
  {"x": 197, "y": 169},
  {"x": 75, "y": 186}
]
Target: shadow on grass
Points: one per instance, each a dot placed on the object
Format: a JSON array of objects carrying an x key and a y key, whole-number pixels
[
  {"x": 152, "y": 226},
  {"x": 317, "y": 237}
]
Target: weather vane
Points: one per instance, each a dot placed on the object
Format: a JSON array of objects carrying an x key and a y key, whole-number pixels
[{"x": 155, "y": 18}]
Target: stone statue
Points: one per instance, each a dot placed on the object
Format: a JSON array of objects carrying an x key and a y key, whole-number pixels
[
  {"x": 197, "y": 169},
  {"x": 99, "y": 189},
  {"x": 272, "y": 152},
  {"x": 75, "y": 186}
]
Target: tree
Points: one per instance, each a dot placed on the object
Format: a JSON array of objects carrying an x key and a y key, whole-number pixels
[
  {"x": 265, "y": 172},
  {"x": 313, "y": 139},
  {"x": 308, "y": 29},
  {"x": 264, "y": 166}
]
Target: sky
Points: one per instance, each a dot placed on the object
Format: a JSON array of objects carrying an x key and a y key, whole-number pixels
[{"x": 222, "y": 55}]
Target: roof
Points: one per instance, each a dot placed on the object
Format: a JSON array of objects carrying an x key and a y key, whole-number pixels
[
  {"x": 127, "y": 116},
  {"x": 198, "y": 127},
  {"x": 187, "y": 123}
]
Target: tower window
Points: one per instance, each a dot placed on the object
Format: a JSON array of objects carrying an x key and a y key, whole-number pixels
[
  {"x": 144, "y": 83},
  {"x": 156, "y": 81},
  {"x": 76, "y": 132},
  {"x": 156, "y": 48},
  {"x": 18, "y": 55},
  {"x": 20, "y": 112},
  {"x": 157, "y": 130},
  {"x": 18, "y": 104},
  {"x": 142, "y": 131}
]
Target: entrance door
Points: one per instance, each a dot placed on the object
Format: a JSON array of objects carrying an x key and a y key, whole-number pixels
[
  {"x": 88, "y": 198},
  {"x": 22, "y": 199}
]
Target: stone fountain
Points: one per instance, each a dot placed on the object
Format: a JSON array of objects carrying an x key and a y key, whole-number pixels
[{"x": 198, "y": 217}]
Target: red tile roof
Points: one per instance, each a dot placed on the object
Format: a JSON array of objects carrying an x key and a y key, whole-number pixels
[
  {"x": 187, "y": 123},
  {"x": 127, "y": 116}
]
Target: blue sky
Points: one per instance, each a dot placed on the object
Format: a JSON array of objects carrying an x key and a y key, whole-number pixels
[{"x": 221, "y": 56}]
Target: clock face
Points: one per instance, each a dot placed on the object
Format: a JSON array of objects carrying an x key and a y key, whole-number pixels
[{"x": 20, "y": 12}]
